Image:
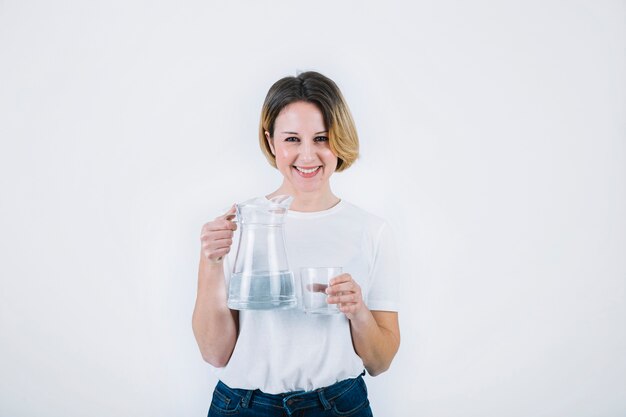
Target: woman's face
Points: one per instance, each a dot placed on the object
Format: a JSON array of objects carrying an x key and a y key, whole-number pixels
[{"x": 301, "y": 147}]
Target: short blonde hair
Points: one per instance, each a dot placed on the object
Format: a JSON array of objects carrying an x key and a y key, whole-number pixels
[{"x": 312, "y": 87}]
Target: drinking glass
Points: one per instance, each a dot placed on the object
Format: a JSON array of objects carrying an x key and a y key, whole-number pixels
[{"x": 314, "y": 281}]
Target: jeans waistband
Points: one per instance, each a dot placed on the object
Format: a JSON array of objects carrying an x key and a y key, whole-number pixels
[{"x": 297, "y": 400}]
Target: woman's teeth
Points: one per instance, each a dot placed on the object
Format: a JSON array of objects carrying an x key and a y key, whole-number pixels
[{"x": 307, "y": 171}]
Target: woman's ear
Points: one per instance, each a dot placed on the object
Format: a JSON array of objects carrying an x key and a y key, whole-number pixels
[{"x": 270, "y": 142}]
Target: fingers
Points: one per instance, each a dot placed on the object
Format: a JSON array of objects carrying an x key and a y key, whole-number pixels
[
  {"x": 213, "y": 245},
  {"x": 216, "y": 237},
  {"x": 344, "y": 299},
  {"x": 340, "y": 278},
  {"x": 216, "y": 244},
  {"x": 221, "y": 223},
  {"x": 229, "y": 214},
  {"x": 344, "y": 291},
  {"x": 213, "y": 249},
  {"x": 341, "y": 284},
  {"x": 216, "y": 234},
  {"x": 350, "y": 310}
]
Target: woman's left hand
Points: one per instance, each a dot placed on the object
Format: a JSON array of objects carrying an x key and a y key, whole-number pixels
[{"x": 344, "y": 291}]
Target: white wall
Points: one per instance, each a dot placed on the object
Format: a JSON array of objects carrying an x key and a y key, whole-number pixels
[{"x": 493, "y": 137}]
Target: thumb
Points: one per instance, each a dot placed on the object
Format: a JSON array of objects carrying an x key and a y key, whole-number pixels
[{"x": 229, "y": 214}]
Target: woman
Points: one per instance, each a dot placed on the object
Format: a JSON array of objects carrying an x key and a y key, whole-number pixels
[{"x": 284, "y": 362}]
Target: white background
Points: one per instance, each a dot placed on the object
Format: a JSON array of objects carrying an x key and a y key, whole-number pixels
[{"x": 493, "y": 138}]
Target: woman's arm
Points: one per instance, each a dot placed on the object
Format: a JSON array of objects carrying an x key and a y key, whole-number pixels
[
  {"x": 214, "y": 325},
  {"x": 376, "y": 339},
  {"x": 375, "y": 334}
]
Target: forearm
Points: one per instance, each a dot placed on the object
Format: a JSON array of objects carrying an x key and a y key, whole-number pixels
[
  {"x": 214, "y": 324},
  {"x": 374, "y": 342}
]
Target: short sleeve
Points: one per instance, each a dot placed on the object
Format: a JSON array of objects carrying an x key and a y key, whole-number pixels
[{"x": 383, "y": 289}]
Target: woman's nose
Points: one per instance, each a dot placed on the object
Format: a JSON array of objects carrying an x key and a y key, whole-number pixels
[{"x": 307, "y": 152}]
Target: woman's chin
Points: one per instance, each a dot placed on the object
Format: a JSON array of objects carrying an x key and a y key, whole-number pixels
[{"x": 300, "y": 186}]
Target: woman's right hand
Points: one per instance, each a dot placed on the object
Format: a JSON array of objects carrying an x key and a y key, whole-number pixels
[{"x": 217, "y": 236}]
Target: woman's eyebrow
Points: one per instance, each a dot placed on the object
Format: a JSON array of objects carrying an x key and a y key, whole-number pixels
[{"x": 295, "y": 133}]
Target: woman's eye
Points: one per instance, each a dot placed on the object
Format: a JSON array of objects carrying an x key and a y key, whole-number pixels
[
  {"x": 321, "y": 139},
  {"x": 292, "y": 139}
]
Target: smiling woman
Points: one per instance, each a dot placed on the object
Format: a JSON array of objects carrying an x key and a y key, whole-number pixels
[
  {"x": 302, "y": 151},
  {"x": 312, "y": 88},
  {"x": 277, "y": 362}
]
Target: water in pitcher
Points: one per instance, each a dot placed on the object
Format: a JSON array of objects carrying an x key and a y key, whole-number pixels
[{"x": 261, "y": 292}]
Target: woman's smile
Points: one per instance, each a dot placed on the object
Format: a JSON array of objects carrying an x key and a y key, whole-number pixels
[{"x": 307, "y": 172}]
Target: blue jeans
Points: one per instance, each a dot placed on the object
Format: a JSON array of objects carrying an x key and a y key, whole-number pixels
[{"x": 344, "y": 398}]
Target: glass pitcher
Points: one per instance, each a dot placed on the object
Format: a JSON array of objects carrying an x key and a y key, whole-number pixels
[{"x": 261, "y": 278}]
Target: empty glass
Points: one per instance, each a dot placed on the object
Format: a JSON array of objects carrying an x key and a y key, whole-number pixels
[{"x": 314, "y": 281}]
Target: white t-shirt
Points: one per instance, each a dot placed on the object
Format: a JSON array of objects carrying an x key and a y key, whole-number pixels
[{"x": 287, "y": 350}]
